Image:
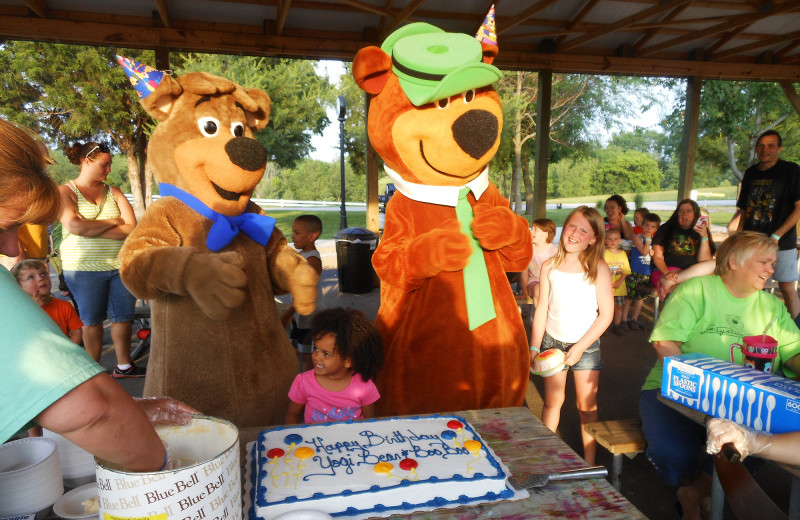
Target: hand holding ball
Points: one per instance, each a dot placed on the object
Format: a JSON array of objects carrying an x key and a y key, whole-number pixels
[{"x": 548, "y": 363}]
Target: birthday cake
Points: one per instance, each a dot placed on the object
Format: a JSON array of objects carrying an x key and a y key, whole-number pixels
[{"x": 377, "y": 467}]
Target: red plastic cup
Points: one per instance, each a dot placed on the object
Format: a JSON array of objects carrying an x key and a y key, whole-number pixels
[{"x": 759, "y": 352}]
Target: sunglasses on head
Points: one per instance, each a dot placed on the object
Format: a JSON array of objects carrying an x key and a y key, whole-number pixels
[{"x": 102, "y": 147}]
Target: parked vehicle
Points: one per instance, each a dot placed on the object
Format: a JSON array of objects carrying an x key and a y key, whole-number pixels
[{"x": 383, "y": 199}]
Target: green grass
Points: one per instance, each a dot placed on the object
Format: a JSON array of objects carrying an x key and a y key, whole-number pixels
[
  {"x": 720, "y": 192},
  {"x": 330, "y": 220}
]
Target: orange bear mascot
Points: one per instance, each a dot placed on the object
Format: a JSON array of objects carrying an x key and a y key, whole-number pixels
[{"x": 451, "y": 328}]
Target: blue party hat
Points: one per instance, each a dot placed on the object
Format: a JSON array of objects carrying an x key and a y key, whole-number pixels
[{"x": 145, "y": 79}]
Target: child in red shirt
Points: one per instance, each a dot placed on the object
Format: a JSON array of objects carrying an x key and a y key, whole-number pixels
[{"x": 33, "y": 277}]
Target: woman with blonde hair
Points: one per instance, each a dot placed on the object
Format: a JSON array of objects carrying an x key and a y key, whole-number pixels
[
  {"x": 706, "y": 314},
  {"x": 96, "y": 219},
  {"x": 53, "y": 382}
]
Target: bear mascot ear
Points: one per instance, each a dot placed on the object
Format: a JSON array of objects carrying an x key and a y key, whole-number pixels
[
  {"x": 160, "y": 102},
  {"x": 489, "y": 52},
  {"x": 371, "y": 69},
  {"x": 258, "y": 118}
]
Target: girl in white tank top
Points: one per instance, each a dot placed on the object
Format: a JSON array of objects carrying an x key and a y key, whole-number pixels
[{"x": 575, "y": 307}]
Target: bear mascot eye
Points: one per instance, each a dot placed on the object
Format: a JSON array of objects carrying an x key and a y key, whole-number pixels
[
  {"x": 468, "y": 96},
  {"x": 443, "y": 103},
  {"x": 209, "y": 126},
  {"x": 237, "y": 129}
]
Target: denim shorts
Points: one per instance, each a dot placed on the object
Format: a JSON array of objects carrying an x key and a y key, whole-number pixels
[
  {"x": 100, "y": 294},
  {"x": 590, "y": 360},
  {"x": 786, "y": 266}
]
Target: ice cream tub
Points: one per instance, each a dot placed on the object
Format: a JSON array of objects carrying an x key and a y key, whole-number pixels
[{"x": 205, "y": 483}]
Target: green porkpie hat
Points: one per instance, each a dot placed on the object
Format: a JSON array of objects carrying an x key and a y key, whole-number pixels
[{"x": 432, "y": 64}]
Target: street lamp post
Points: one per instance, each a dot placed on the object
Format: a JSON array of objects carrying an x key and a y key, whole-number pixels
[{"x": 342, "y": 109}]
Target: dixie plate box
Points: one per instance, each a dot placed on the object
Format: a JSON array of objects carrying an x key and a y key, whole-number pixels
[{"x": 761, "y": 401}]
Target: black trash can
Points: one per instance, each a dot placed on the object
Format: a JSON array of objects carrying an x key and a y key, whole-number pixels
[{"x": 354, "y": 248}]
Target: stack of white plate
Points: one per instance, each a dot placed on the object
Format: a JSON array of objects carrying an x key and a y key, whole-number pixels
[
  {"x": 30, "y": 476},
  {"x": 77, "y": 464}
]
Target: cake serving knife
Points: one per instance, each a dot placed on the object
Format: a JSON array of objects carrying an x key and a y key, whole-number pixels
[{"x": 534, "y": 480}]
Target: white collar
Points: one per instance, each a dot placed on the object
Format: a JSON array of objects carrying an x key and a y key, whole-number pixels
[{"x": 442, "y": 195}]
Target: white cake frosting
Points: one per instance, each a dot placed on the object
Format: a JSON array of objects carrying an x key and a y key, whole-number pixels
[{"x": 377, "y": 467}]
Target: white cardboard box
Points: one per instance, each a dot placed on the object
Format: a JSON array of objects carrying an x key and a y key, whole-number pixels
[{"x": 718, "y": 388}]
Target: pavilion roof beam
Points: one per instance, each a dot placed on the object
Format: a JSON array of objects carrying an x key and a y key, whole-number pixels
[
  {"x": 384, "y": 19},
  {"x": 620, "y": 24},
  {"x": 283, "y": 12},
  {"x": 578, "y": 18},
  {"x": 163, "y": 11},
  {"x": 785, "y": 50},
  {"x": 39, "y": 7},
  {"x": 672, "y": 15},
  {"x": 401, "y": 17},
  {"x": 724, "y": 40},
  {"x": 756, "y": 45},
  {"x": 735, "y": 22},
  {"x": 525, "y": 14},
  {"x": 362, "y": 6}
]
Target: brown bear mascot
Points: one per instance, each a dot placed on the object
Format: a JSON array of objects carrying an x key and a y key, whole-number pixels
[
  {"x": 451, "y": 328},
  {"x": 209, "y": 259}
]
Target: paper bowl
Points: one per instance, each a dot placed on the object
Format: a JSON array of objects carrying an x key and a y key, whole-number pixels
[
  {"x": 69, "y": 505},
  {"x": 77, "y": 464},
  {"x": 30, "y": 476}
]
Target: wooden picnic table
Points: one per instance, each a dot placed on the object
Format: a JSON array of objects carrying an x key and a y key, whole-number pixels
[{"x": 525, "y": 444}]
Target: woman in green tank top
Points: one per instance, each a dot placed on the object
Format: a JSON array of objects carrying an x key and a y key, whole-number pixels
[{"x": 96, "y": 219}]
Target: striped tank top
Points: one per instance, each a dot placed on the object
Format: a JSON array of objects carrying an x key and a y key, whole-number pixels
[{"x": 91, "y": 253}]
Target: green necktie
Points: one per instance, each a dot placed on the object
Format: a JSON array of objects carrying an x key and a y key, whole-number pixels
[{"x": 478, "y": 291}]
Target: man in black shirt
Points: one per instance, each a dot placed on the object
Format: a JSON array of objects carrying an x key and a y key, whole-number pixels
[{"x": 770, "y": 203}]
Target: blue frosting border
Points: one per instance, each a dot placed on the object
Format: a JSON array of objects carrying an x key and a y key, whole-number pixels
[{"x": 258, "y": 494}]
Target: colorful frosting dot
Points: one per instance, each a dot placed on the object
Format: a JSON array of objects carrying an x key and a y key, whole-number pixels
[
  {"x": 455, "y": 425},
  {"x": 408, "y": 464},
  {"x": 448, "y": 434},
  {"x": 303, "y": 453},
  {"x": 472, "y": 446},
  {"x": 275, "y": 453},
  {"x": 383, "y": 467},
  {"x": 292, "y": 438}
]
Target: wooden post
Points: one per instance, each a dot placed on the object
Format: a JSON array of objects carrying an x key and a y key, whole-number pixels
[
  {"x": 162, "y": 58},
  {"x": 372, "y": 177},
  {"x": 542, "y": 153},
  {"x": 691, "y": 117}
]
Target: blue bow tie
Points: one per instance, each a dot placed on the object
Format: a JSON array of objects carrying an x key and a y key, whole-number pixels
[{"x": 225, "y": 228}]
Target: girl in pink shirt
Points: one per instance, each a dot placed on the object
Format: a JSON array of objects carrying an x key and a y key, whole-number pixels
[{"x": 347, "y": 356}]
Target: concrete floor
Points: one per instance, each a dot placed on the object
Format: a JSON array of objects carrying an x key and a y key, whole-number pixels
[{"x": 627, "y": 361}]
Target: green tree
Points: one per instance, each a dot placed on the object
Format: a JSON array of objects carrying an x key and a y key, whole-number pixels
[
  {"x": 572, "y": 177},
  {"x": 355, "y": 138},
  {"x": 72, "y": 93},
  {"x": 315, "y": 180},
  {"x": 299, "y": 98},
  {"x": 578, "y": 102},
  {"x": 733, "y": 114},
  {"x": 626, "y": 171}
]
